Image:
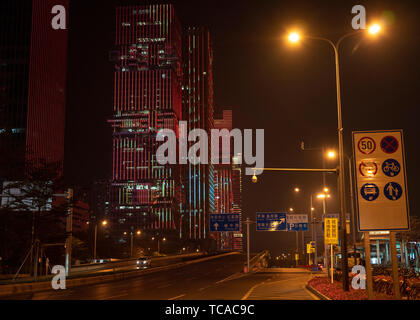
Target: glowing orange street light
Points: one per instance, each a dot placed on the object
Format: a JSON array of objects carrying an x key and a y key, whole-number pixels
[
  {"x": 294, "y": 37},
  {"x": 331, "y": 154},
  {"x": 374, "y": 29}
]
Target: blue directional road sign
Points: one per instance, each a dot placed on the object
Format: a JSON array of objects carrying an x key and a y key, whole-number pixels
[
  {"x": 297, "y": 222},
  {"x": 224, "y": 222},
  {"x": 271, "y": 221},
  {"x": 297, "y": 227}
]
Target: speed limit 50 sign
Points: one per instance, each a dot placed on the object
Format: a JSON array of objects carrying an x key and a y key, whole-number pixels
[{"x": 379, "y": 167}]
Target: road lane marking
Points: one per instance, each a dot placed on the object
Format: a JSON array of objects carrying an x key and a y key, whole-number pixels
[
  {"x": 235, "y": 276},
  {"x": 250, "y": 290},
  {"x": 117, "y": 296},
  {"x": 177, "y": 297},
  {"x": 311, "y": 294},
  {"x": 268, "y": 282}
]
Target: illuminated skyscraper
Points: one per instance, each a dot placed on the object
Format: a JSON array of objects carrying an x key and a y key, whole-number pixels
[
  {"x": 147, "y": 98},
  {"x": 33, "y": 73},
  {"x": 47, "y": 86},
  {"x": 198, "y": 183},
  {"x": 227, "y": 187}
]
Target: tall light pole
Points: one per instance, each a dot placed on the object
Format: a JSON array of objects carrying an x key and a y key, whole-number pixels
[
  {"x": 312, "y": 218},
  {"x": 104, "y": 223},
  {"x": 294, "y": 37},
  {"x": 158, "y": 243},
  {"x": 332, "y": 155},
  {"x": 247, "y": 222},
  {"x": 132, "y": 241},
  {"x": 69, "y": 229},
  {"x": 297, "y": 190}
]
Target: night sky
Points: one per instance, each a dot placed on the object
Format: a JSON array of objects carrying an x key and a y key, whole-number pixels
[{"x": 289, "y": 92}]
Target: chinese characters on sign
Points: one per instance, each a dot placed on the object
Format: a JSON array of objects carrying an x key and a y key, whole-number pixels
[
  {"x": 272, "y": 221},
  {"x": 297, "y": 222},
  {"x": 331, "y": 231},
  {"x": 224, "y": 222}
]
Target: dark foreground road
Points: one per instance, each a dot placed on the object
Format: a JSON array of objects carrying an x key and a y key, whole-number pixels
[{"x": 218, "y": 279}]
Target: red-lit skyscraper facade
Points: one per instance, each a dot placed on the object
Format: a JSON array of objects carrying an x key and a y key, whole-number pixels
[
  {"x": 227, "y": 187},
  {"x": 198, "y": 183},
  {"x": 33, "y": 74},
  {"x": 47, "y": 87},
  {"x": 147, "y": 98}
]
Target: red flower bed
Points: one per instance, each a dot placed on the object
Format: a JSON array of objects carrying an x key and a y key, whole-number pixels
[{"x": 335, "y": 291}]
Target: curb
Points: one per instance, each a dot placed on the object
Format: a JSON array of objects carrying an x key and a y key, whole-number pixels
[
  {"x": 14, "y": 289},
  {"x": 316, "y": 292}
]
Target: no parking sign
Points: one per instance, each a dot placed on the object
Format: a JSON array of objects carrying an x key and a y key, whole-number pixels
[{"x": 379, "y": 166}]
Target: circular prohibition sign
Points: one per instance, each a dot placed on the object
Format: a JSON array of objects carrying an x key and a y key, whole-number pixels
[
  {"x": 366, "y": 145},
  {"x": 389, "y": 144}
]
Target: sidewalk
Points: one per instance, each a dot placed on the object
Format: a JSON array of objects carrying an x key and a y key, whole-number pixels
[{"x": 287, "y": 286}]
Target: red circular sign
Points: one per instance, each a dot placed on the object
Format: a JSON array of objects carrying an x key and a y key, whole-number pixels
[
  {"x": 389, "y": 144},
  {"x": 368, "y": 168},
  {"x": 366, "y": 145}
]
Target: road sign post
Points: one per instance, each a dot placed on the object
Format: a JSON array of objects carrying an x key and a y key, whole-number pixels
[
  {"x": 297, "y": 222},
  {"x": 247, "y": 222},
  {"x": 224, "y": 222},
  {"x": 368, "y": 266},
  {"x": 381, "y": 183},
  {"x": 379, "y": 166},
  {"x": 331, "y": 237},
  {"x": 271, "y": 221},
  {"x": 394, "y": 259}
]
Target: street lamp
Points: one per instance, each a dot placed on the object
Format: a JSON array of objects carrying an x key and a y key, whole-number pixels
[
  {"x": 374, "y": 29},
  {"x": 353, "y": 218},
  {"x": 131, "y": 241},
  {"x": 254, "y": 179},
  {"x": 331, "y": 154},
  {"x": 294, "y": 38},
  {"x": 104, "y": 223},
  {"x": 158, "y": 243}
]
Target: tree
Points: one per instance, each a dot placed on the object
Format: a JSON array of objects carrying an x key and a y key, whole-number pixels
[{"x": 28, "y": 213}]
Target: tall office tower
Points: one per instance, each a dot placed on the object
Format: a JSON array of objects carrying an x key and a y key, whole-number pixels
[
  {"x": 147, "y": 98},
  {"x": 47, "y": 87},
  {"x": 33, "y": 62},
  {"x": 198, "y": 182},
  {"x": 227, "y": 186},
  {"x": 237, "y": 240}
]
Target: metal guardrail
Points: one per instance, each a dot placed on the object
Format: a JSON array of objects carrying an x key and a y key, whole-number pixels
[{"x": 260, "y": 260}]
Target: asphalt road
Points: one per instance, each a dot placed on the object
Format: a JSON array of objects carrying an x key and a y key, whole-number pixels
[{"x": 218, "y": 279}]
